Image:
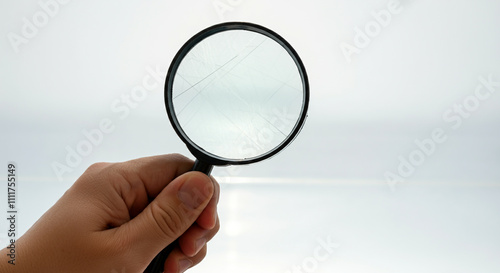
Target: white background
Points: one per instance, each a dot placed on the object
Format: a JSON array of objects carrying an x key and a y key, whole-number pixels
[{"x": 365, "y": 115}]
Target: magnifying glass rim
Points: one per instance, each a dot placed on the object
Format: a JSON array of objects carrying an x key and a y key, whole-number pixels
[{"x": 198, "y": 151}]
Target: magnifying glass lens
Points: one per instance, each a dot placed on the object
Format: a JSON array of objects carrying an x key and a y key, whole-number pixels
[{"x": 237, "y": 95}]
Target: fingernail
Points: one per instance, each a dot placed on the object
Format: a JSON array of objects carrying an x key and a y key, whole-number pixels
[
  {"x": 184, "y": 265},
  {"x": 194, "y": 192},
  {"x": 215, "y": 219},
  {"x": 199, "y": 244}
]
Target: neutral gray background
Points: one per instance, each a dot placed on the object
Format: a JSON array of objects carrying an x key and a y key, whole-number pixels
[{"x": 364, "y": 115}]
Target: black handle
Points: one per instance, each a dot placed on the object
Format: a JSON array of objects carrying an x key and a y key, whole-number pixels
[
  {"x": 156, "y": 266},
  {"x": 203, "y": 167}
]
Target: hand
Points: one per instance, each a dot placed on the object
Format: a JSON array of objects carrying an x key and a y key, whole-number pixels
[{"x": 118, "y": 216}]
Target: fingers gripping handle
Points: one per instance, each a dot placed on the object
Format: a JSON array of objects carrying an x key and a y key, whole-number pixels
[{"x": 158, "y": 263}]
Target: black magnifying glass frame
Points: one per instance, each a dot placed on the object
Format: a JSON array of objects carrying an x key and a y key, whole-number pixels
[{"x": 205, "y": 160}]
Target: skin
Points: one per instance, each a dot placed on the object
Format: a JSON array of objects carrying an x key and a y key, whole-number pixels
[{"x": 117, "y": 216}]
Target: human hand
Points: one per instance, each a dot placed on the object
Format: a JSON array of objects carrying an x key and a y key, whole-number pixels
[{"x": 118, "y": 216}]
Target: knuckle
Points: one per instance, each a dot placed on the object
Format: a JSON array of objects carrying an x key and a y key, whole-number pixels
[
  {"x": 98, "y": 166},
  {"x": 168, "y": 220},
  {"x": 179, "y": 157}
]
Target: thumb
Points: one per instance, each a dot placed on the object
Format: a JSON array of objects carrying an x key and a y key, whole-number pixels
[{"x": 171, "y": 213}]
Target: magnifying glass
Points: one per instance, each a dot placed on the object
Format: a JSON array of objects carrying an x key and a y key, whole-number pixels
[{"x": 236, "y": 93}]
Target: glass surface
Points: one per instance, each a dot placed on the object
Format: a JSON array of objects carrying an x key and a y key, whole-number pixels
[{"x": 238, "y": 94}]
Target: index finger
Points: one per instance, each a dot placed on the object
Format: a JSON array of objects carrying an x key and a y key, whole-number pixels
[{"x": 155, "y": 172}]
